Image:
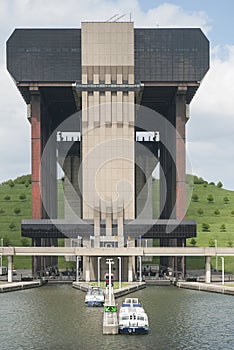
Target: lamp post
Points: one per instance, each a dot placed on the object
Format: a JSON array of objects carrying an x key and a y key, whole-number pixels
[
  {"x": 109, "y": 262},
  {"x": 216, "y": 258},
  {"x": 120, "y": 276},
  {"x": 222, "y": 258},
  {"x": 1, "y": 254},
  {"x": 99, "y": 258},
  {"x": 78, "y": 258},
  {"x": 140, "y": 269},
  {"x": 77, "y": 268}
]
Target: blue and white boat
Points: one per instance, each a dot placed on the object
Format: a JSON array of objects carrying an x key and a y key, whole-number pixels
[
  {"x": 94, "y": 297},
  {"x": 133, "y": 318}
]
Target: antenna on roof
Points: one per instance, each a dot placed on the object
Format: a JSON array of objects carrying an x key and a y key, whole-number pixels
[
  {"x": 112, "y": 17},
  {"x": 120, "y": 17}
]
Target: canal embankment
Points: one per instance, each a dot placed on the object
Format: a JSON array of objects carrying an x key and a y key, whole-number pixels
[
  {"x": 118, "y": 292},
  {"x": 14, "y": 286},
  {"x": 206, "y": 287}
]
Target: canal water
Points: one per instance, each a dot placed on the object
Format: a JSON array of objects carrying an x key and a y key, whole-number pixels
[{"x": 55, "y": 317}]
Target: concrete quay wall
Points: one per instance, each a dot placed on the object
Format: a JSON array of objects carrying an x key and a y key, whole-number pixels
[
  {"x": 206, "y": 287},
  {"x": 14, "y": 286}
]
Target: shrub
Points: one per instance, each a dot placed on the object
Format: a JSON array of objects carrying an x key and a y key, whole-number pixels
[
  {"x": 2, "y": 211},
  {"x": 25, "y": 242},
  {"x": 6, "y": 241},
  {"x": 193, "y": 242},
  {"x": 223, "y": 228},
  {"x": 205, "y": 185},
  {"x": 200, "y": 211},
  {"x": 230, "y": 243},
  {"x": 216, "y": 212},
  {"x": 226, "y": 200},
  {"x": 195, "y": 197},
  {"x": 210, "y": 198},
  {"x": 12, "y": 226},
  {"x": 232, "y": 213},
  {"x": 17, "y": 211},
  {"x": 7, "y": 198},
  {"x": 26, "y": 184},
  {"x": 212, "y": 183},
  {"x": 22, "y": 196},
  {"x": 219, "y": 184},
  {"x": 211, "y": 242},
  {"x": 205, "y": 227}
]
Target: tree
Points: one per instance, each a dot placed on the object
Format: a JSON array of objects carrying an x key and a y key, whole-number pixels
[
  {"x": 219, "y": 184},
  {"x": 7, "y": 198},
  {"x": 210, "y": 198},
  {"x": 216, "y": 212},
  {"x": 223, "y": 228},
  {"x": 200, "y": 211},
  {"x": 211, "y": 242},
  {"x": 23, "y": 179},
  {"x": 195, "y": 197},
  {"x": 230, "y": 243},
  {"x": 193, "y": 242},
  {"x": 212, "y": 183},
  {"x": 11, "y": 183},
  {"x": 198, "y": 180},
  {"x": 226, "y": 200},
  {"x": 205, "y": 227}
]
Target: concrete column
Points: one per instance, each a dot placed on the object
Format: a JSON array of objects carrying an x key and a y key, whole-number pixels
[
  {"x": 120, "y": 227},
  {"x": 96, "y": 227},
  {"x": 208, "y": 270},
  {"x": 130, "y": 274},
  {"x": 86, "y": 268},
  {"x": 180, "y": 153},
  {"x": 10, "y": 268},
  {"x": 108, "y": 222}
]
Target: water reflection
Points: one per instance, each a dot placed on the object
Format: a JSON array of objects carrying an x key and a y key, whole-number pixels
[{"x": 55, "y": 317}]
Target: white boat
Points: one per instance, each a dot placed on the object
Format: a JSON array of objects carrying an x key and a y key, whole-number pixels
[
  {"x": 94, "y": 297},
  {"x": 133, "y": 318}
]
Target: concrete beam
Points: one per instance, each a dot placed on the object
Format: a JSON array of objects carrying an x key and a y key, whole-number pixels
[{"x": 125, "y": 251}]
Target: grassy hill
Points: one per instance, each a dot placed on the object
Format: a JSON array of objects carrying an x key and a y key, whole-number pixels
[
  {"x": 218, "y": 214},
  {"x": 15, "y": 205}
]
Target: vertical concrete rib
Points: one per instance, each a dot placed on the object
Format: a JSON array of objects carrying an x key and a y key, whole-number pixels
[{"x": 180, "y": 154}]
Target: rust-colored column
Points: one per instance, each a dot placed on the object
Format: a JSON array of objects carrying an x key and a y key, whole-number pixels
[
  {"x": 36, "y": 168},
  {"x": 180, "y": 154},
  {"x": 36, "y": 153}
]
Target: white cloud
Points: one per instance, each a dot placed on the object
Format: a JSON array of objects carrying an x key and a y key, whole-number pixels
[
  {"x": 211, "y": 127},
  {"x": 169, "y": 15}
]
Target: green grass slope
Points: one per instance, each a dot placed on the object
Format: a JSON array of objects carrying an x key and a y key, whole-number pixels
[
  {"x": 218, "y": 214},
  {"x": 215, "y": 214}
]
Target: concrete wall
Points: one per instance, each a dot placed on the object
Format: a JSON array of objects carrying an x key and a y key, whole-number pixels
[{"x": 108, "y": 124}]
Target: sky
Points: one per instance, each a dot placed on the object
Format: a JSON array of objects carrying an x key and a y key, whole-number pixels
[{"x": 210, "y": 130}]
